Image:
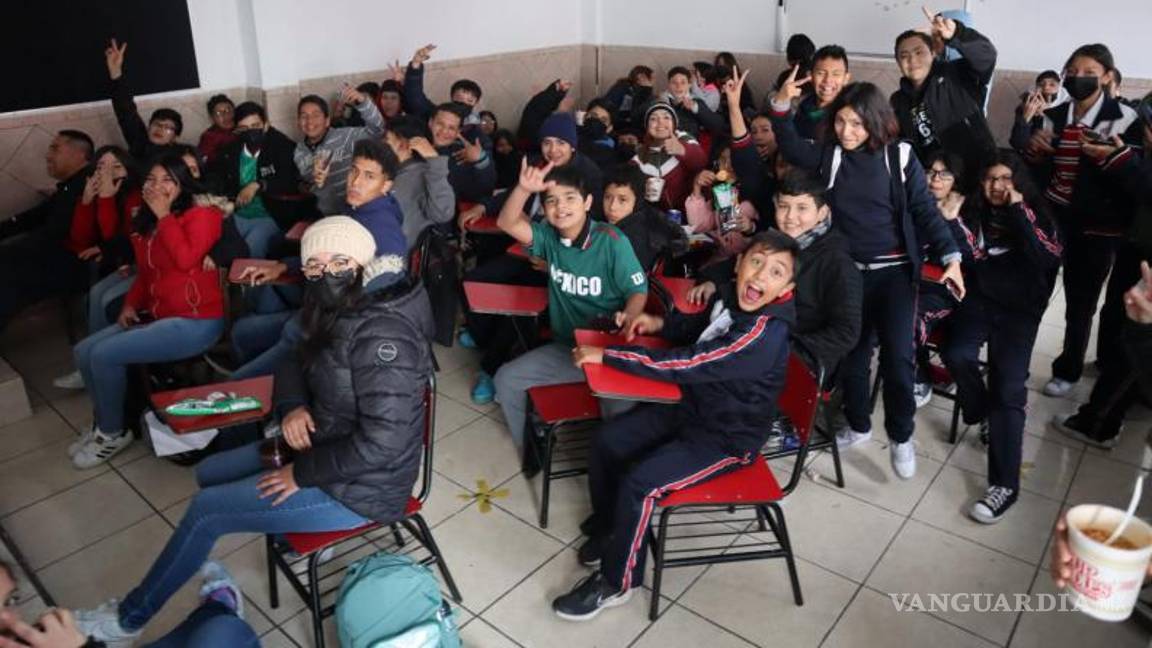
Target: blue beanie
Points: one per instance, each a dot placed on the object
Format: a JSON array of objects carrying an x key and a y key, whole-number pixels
[{"x": 560, "y": 125}]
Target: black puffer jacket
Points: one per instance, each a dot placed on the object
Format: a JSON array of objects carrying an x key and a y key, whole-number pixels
[
  {"x": 829, "y": 296},
  {"x": 366, "y": 394}
]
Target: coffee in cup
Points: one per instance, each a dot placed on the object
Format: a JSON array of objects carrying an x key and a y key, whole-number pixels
[{"x": 1106, "y": 579}]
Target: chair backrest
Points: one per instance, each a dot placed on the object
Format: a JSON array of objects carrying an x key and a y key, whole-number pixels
[
  {"x": 418, "y": 255},
  {"x": 800, "y": 401},
  {"x": 428, "y": 438}
]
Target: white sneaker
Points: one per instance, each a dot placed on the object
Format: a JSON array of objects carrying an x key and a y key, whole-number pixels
[
  {"x": 847, "y": 437},
  {"x": 216, "y": 577},
  {"x": 103, "y": 625},
  {"x": 1058, "y": 388},
  {"x": 100, "y": 448},
  {"x": 80, "y": 442},
  {"x": 73, "y": 380},
  {"x": 922, "y": 392},
  {"x": 903, "y": 457}
]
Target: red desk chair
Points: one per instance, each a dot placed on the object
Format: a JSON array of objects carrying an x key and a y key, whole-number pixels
[
  {"x": 825, "y": 440},
  {"x": 560, "y": 417},
  {"x": 308, "y": 546},
  {"x": 751, "y": 486}
]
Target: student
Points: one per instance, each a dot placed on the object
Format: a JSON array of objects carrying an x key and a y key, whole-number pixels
[
  {"x": 1012, "y": 261},
  {"x": 539, "y": 108},
  {"x": 828, "y": 283},
  {"x": 669, "y": 157},
  {"x": 372, "y": 205},
  {"x": 488, "y": 123},
  {"x": 470, "y": 169},
  {"x": 221, "y": 111},
  {"x": 346, "y": 116},
  {"x": 324, "y": 156},
  {"x": 692, "y": 115},
  {"x": 625, "y": 94},
  {"x": 649, "y": 231},
  {"x": 704, "y": 84},
  {"x": 101, "y": 223},
  {"x": 352, "y": 408},
  {"x": 828, "y": 77},
  {"x": 1092, "y": 211},
  {"x": 174, "y": 309},
  {"x": 597, "y": 137},
  {"x": 256, "y": 172},
  {"x": 592, "y": 272},
  {"x": 421, "y": 182},
  {"x": 701, "y": 215},
  {"x": 730, "y": 361},
  {"x": 507, "y": 159},
  {"x": 1099, "y": 421},
  {"x": 463, "y": 91},
  {"x": 35, "y": 258},
  {"x": 164, "y": 126},
  {"x": 940, "y": 104},
  {"x": 880, "y": 202},
  {"x": 391, "y": 99},
  {"x": 747, "y": 95},
  {"x": 935, "y": 302}
]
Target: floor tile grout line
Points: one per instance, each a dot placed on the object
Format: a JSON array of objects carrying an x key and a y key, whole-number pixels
[{"x": 947, "y": 621}]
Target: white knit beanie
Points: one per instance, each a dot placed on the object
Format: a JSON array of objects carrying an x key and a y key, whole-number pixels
[{"x": 338, "y": 235}]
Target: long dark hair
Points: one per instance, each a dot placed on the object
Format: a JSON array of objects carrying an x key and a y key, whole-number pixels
[
  {"x": 318, "y": 319},
  {"x": 866, "y": 100},
  {"x": 1021, "y": 180},
  {"x": 173, "y": 164},
  {"x": 951, "y": 162},
  {"x": 131, "y": 181}
]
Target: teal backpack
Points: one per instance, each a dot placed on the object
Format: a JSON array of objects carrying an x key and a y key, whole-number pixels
[{"x": 390, "y": 601}]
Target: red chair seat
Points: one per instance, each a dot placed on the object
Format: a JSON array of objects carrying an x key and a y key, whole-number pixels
[
  {"x": 939, "y": 374},
  {"x": 564, "y": 402},
  {"x": 752, "y": 483},
  {"x": 306, "y": 543}
]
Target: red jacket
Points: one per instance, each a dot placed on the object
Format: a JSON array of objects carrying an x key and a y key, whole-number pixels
[
  {"x": 99, "y": 222},
  {"x": 212, "y": 140},
  {"x": 678, "y": 172},
  {"x": 170, "y": 278}
]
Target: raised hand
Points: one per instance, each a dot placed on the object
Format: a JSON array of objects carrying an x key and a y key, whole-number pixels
[
  {"x": 1033, "y": 105},
  {"x": 396, "y": 71},
  {"x": 563, "y": 85},
  {"x": 321, "y": 165},
  {"x": 114, "y": 58},
  {"x": 673, "y": 146},
  {"x": 532, "y": 179},
  {"x": 470, "y": 153},
  {"x": 107, "y": 186},
  {"x": 350, "y": 95},
  {"x": 791, "y": 88},
  {"x": 735, "y": 86},
  {"x": 943, "y": 27},
  {"x": 421, "y": 55},
  {"x": 91, "y": 188},
  {"x": 422, "y": 146}
]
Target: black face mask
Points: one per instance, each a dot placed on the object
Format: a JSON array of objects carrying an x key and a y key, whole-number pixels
[
  {"x": 253, "y": 138},
  {"x": 1081, "y": 87},
  {"x": 594, "y": 129},
  {"x": 331, "y": 290}
]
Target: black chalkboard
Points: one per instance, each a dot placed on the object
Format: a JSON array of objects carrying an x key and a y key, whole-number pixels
[{"x": 53, "y": 50}]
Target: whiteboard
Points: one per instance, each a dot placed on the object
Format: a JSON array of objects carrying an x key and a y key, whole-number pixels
[{"x": 865, "y": 27}]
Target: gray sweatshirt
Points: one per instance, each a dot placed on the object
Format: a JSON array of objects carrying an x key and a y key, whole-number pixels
[
  {"x": 421, "y": 187},
  {"x": 338, "y": 141}
]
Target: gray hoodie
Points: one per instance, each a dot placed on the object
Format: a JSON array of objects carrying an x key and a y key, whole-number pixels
[
  {"x": 338, "y": 142},
  {"x": 421, "y": 187}
]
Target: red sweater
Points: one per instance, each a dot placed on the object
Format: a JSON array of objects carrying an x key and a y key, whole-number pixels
[
  {"x": 678, "y": 172},
  {"x": 99, "y": 222},
  {"x": 170, "y": 278},
  {"x": 211, "y": 140}
]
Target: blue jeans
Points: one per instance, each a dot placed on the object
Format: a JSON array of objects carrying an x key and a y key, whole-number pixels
[
  {"x": 257, "y": 233},
  {"x": 228, "y": 502},
  {"x": 103, "y": 358},
  {"x": 102, "y": 294},
  {"x": 255, "y": 334},
  {"x": 210, "y": 625},
  {"x": 266, "y": 363}
]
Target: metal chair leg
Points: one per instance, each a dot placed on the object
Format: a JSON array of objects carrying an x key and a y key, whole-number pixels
[
  {"x": 314, "y": 592},
  {"x": 397, "y": 536},
  {"x": 270, "y": 557},
  {"x": 786, "y": 544},
  {"x": 658, "y": 564},
  {"x": 955, "y": 422},
  {"x": 546, "y": 473},
  {"x": 836, "y": 463},
  {"x": 430, "y": 543}
]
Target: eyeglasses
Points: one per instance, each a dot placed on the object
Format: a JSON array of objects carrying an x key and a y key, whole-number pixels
[
  {"x": 943, "y": 175},
  {"x": 222, "y": 111},
  {"x": 164, "y": 127},
  {"x": 999, "y": 178},
  {"x": 338, "y": 265}
]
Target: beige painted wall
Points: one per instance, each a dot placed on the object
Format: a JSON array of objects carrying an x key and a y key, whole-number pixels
[{"x": 507, "y": 79}]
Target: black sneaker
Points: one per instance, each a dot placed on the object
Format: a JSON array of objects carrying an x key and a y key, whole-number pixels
[
  {"x": 1076, "y": 427},
  {"x": 995, "y": 503},
  {"x": 588, "y": 526},
  {"x": 588, "y": 598},
  {"x": 590, "y": 552}
]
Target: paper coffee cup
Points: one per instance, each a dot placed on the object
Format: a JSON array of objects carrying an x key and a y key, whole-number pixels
[
  {"x": 1106, "y": 580},
  {"x": 653, "y": 188}
]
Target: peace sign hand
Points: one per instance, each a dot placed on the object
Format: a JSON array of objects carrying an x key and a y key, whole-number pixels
[
  {"x": 114, "y": 59},
  {"x": 791, "y": 88},
  {"x": 396, "y": 72},
  {"x": 735, "y": 86},
  {"x": 350, "y": 95},
  {"x": 1033, "y": 105},
  {"x": 471, "y": 153},
  {"x": 421, "y": 55},
  {"x": 532, "y": 179},
  {"x": 943, "y": 27}
]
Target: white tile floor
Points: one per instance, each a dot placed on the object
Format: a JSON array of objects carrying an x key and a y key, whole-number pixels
[{"x": 91, "y": 534}]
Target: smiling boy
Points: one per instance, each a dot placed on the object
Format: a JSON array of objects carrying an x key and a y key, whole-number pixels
[
  {"x": 730, "y": 363},
  {"x": 592, "y": 273}
]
